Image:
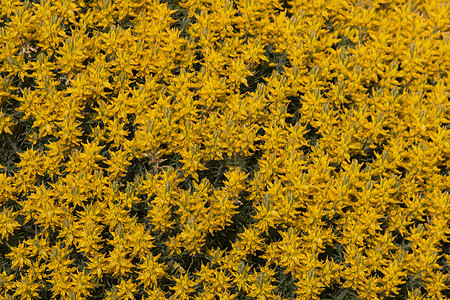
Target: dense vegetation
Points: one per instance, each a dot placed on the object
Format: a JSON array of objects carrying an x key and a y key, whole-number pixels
[{"x": 212, "y": 149}]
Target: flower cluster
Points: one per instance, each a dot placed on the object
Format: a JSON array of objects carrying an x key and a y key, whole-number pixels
[{"x": 225, "y": 149}]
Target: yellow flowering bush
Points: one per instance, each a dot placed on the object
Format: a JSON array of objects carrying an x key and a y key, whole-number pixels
[{"x": 226, "y": 149}]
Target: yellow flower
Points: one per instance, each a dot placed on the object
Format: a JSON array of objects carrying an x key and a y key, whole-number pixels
[
  {"x": 7, "y": 223},
  {"x": 183, "y": 287}
]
